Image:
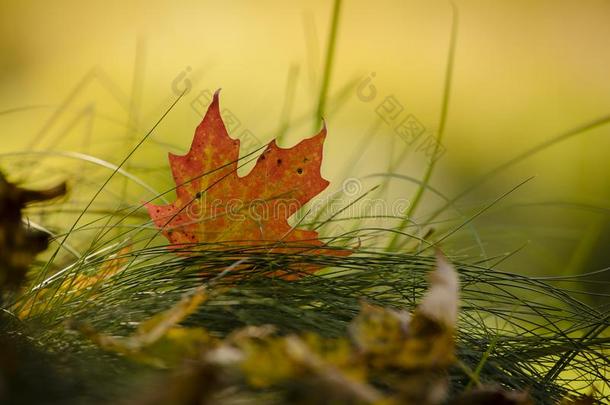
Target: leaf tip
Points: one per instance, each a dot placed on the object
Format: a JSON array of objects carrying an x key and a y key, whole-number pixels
[
  {"x": 442, "y": 298},
  {"x": 323, "y": 130},
  {"x": 215, "y": 99}
]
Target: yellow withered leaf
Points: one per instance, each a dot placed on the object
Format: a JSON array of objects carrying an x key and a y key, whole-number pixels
[
  {"x": 158, "y": 341},
  {"x": 424, "y": 339}
]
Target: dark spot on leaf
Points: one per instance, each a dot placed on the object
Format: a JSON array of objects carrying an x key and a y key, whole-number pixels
[
  {"x": 305, "y": 160},
  {"x": 299, "y": 170},
  {"x": 262, "y": 157},
  {"x": 198, "y": 195},
  {"x": 279, "y": 161}
]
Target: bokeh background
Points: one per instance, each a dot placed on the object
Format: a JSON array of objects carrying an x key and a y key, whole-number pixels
[{"x": 94, "y": 77}]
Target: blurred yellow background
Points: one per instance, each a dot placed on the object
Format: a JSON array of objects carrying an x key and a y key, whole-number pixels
[{"x": 93, "y": 77}]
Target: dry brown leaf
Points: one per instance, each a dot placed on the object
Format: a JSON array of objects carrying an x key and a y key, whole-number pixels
[{"x": 19, "y": 243}]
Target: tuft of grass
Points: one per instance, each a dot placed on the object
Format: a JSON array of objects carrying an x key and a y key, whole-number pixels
[{"x": 522, "y": 332}]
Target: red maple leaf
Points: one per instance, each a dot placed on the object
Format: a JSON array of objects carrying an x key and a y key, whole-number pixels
[{"x": 216, "y": 208}]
